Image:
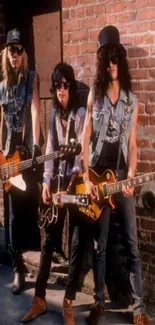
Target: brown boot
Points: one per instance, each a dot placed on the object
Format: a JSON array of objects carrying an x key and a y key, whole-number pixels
[
  {"x": 68, "y": 312},
  {"x": 37, "y": 308},
  {"x": 95, "y": 315},
  {"x": 141, "y": 319}
]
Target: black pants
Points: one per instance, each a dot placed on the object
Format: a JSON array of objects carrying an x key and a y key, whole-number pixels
[
  {"x": 23, "y": 216},
  {"x": 52, "y": 243}
]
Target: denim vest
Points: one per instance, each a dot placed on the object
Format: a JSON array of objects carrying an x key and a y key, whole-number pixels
[
  {"x": 100, "y": 120},
  {"x": 23, "y": 93}
]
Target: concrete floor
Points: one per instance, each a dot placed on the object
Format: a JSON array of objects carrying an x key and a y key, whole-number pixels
[{"x": 12, "y": 308}]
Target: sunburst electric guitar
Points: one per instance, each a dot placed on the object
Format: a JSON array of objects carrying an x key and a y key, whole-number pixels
[
  {"x": 106, "y": 186},
  {"x": 12, "y": 166}
]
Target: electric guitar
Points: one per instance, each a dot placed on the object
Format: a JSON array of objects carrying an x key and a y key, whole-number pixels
[
  {"x": 106, "y": 186},
  {"x": 49, "y": 215},
  {"x": 12, "y": 166}
]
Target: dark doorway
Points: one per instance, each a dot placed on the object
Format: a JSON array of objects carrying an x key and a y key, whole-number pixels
[{"x": 39, "y": 23}]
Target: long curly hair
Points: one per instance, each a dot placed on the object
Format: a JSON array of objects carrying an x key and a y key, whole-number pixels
[
  {"x": 7, "y": 71},
  {"x": 65, "y": 70},
  {"x": 102, "y": 77}
]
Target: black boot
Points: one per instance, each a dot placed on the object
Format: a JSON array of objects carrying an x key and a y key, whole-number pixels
[{"x": 19, "y": 281}]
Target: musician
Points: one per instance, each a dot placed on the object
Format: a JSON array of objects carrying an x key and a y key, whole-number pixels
[
  {"x": 111, "y": 102},
  {"x": 20, "y": 125},
  {"x": 67, "y": 119}
]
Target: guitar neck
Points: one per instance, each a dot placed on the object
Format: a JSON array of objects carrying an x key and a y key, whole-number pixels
[
  {"x": 133, "y": 182},
  {"x": 67, "y": 198},
  {"x": 28, "y": 163}
]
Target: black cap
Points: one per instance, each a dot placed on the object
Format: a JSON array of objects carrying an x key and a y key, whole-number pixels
[
  {"x": 110, "y": 35},
  {"x": 14, "y": 36}
]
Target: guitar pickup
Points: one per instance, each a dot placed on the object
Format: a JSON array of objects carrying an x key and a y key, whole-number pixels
[{"x": 105, "y": 194}]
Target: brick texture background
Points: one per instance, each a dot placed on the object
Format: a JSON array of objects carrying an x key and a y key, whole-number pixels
[{"x": 82, "y": 22}]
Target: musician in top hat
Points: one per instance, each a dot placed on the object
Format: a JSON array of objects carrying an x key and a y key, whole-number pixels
[
  {"x": 110, "y": 133},
  {"x": 20, "y": 125}
]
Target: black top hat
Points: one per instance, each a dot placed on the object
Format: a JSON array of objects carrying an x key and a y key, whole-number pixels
[
  {"x": 14, "y": 36},
  {"x": 110, "y": 35}
]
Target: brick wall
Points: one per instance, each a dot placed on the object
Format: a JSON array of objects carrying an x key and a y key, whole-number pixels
[{"x": 82, "y": 21}]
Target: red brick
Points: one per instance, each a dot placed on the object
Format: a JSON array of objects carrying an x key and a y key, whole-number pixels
[
  {"x": 88, "y": 47},
  {"x": 86, "y": 1},
  {"x": 146, "y": 14},
  {"x": 138, "y": 40},
  {"x": 147, "y": 224},
  {"x": 72, "y": 13},
  {"x": 152, "y": 97},
  {"x": 143, "y": 97},
  {"x": 89, "y": 10},
  {"x": 71, "y": 49},
  {"x": 152, "y": 25},
  {"x": 79, "y": 36},
  {"x": 144, "y": 167},
  {"x": 69, "y": 3},
  {"x": 115, "y": 7},
  {"x": 99, "y": 9},
  {"x": 93, "y": 34},
  {"x": 77, "y": 61},
  {"x": 101, "y": 20},
  {"x": 79, "y": 12},
  {"x": 88, "y": 23},
  {"x": 149, "y": 130},
  {"x": 145, "y": 257},
  {"x": 143, "y": 235},
  {"x": 71, "y": 25},
  {"x": 137, "y": 52},
  {"x": 141, "y": 107},
  {"x": 152, "y": 73},
  {"x": 141, "y": 4},
  {"x": 133, "y": 63},
  {"x": 111, "y": 19},
  {"x": 126, "y": 17},
  {"x": 66, "y": 37},
  {"x": 142, "y": 143},
  {"x": 143, "y": 119},
  {"x": 150, "y": 109},
  {"x": 138, "y": 26},
  {"x": 147, "y": 155},
  {"x": 148, "y": 39},
  {"x": 65, "y": 14},
  {"x": 152, "y": 120},
  {"x": 139, "y": 74},
  {"x": 90, "y": 58}
]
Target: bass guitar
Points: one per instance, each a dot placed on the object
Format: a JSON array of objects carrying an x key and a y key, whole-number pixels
[
  {"x": 106, "y": 186},
  {"x": 13, "y": 165}
]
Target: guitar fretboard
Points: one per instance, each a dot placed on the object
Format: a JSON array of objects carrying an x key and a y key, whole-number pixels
[{"x": 133, "y": 182}]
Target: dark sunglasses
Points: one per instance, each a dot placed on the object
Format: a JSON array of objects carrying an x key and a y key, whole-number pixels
[
  {"x": 16, "y": 49},
  {"x": 112, "y": 56},
  {"x": 65, "y": 84}
]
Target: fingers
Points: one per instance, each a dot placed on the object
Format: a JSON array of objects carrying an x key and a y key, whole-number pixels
[
  {"x": 46, "y": 195},
  {"x": 127, "y": 191}
]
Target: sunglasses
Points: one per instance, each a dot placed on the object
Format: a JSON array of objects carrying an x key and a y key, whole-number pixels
[
  {"x": 16, "y": 49},
  {"x": 112, "y": 56},
  {"x": 65, "y": 84}
]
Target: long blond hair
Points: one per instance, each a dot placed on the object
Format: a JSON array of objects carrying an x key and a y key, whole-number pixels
[{"x": 7, "y": 71}]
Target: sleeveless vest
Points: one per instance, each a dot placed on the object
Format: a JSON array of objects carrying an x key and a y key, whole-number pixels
[
  {"x": 100, "y": 118},
  {"x": 23, "y": 93}
]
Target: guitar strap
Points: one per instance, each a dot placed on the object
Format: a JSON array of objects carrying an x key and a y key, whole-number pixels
[{"x": 122, "y": 132}]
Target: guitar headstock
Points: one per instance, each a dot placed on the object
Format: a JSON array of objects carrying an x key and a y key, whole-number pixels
[
  {"x": 70, "y": 149},
  {"x": 82, "y": 200}
]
